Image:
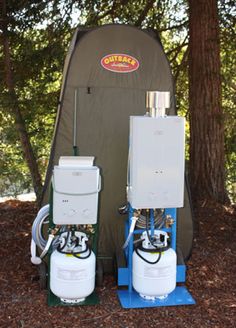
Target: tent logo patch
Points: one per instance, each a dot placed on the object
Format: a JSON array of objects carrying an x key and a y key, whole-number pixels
[{"x": 120, "y": 63}]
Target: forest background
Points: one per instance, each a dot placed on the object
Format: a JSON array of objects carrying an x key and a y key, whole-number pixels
[{"x": 35, "y": 36}]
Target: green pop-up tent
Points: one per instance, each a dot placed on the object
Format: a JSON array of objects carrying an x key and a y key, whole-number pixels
[{"x": 107, "y": 72}]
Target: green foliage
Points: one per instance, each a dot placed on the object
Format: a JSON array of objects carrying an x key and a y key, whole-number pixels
[
  {"x": 40, "y": 32},
  {"x": 37, "y": 56}
]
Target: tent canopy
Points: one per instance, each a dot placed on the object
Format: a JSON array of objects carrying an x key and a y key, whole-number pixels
[{"x": 97, "y": 97}]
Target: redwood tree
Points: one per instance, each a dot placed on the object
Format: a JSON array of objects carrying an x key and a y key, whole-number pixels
[{"x": 207, "y": 164}]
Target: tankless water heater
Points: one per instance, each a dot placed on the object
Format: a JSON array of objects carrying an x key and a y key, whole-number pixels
[{"x": 156, "y": 162}]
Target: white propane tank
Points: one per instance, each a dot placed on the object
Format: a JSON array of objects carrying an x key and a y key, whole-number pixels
[
  {"x": 154, "y": 280},
  {"x": 72, "y": 278}
]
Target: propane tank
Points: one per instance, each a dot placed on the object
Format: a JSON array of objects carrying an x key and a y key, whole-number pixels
[
  {"x": 154, "y": 272},
  {"x": 72, "y": 269}
]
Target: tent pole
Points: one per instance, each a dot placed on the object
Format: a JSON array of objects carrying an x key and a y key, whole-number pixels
[{"x": 75, "y": 148}]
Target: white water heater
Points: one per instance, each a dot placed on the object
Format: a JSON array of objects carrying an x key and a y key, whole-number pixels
[
  {"x": 153, "y": 278},
  {"x": 76, "y": 184},
  {"x": 156, "y": 162}
]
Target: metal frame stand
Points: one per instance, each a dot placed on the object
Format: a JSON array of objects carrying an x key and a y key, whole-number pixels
[{"x": 129, "y": 298}]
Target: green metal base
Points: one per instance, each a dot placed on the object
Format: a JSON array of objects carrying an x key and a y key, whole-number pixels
[{"x": 53, "y": 300}]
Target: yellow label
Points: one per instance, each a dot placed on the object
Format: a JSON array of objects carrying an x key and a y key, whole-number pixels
[
  {"x": 158, "y": 253},
  {"x": 69, "y": 255}
]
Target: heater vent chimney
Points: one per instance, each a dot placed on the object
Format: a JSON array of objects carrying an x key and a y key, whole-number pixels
[{"x": 157, "y": 102}]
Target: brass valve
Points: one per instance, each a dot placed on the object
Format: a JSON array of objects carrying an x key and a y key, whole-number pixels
[
  {"x": 169, "y": 221},
  {"x": 55, "y": 230}
]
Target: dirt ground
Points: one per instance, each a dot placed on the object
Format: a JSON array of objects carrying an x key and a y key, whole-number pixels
[{"x": 211, "y": 279}]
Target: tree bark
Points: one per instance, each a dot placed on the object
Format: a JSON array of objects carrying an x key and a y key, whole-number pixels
[
  {"x": 15, "y": 109},
  {"x": 207, "y": 158}
]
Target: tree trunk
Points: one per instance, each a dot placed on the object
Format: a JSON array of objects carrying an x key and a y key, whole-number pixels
[
  {"x": 15, "y": 109},
  {"x": 207, "y": 164}
]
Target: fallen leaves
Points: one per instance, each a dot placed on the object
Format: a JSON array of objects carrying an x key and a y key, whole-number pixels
[{"x": 210, "y": 278}]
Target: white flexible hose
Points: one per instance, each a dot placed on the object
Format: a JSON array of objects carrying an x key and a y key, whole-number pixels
[
  {"x": 49, "y": 242},
  {"x": 37, "y": 227},
  {"x": 131, "y": 230},
  {"x": 34, "y": 258},
  {"x": 37, "y": 238}
]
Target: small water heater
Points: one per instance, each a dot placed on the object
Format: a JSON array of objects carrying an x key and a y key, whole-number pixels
[
  {"x": 72, "y": 214},
  {"x": 76, "y": 184}
]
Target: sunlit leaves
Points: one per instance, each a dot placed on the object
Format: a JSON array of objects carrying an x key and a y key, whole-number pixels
[{"x": 39, "y": 33}]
